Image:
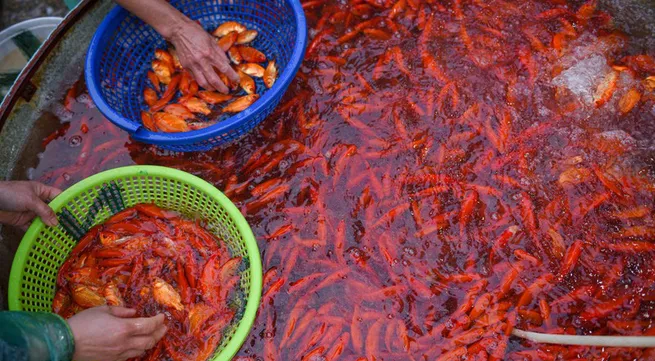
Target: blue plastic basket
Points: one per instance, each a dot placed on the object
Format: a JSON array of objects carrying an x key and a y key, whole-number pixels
[{"x": 122, "y": 51}]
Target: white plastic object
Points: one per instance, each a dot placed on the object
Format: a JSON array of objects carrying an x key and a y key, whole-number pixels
[
  {"x": 602, "y": 341},
  {"x": 12, "y": 59}
]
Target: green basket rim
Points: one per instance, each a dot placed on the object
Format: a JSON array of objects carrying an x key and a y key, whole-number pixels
[{"x": 255, "y": 269}]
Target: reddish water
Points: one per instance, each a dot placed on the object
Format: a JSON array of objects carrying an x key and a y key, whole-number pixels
[{"x": 426, "y": 186}]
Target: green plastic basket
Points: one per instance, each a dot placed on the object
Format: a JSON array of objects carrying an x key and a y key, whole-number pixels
[{"x": 92, "y": 201}]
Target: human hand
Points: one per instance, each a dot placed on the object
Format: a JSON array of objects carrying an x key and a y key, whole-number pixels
[
  {"x": 21, "y": 201},
  {"x": 108, "y": 333},
  {"x": 199, "y": 53}
]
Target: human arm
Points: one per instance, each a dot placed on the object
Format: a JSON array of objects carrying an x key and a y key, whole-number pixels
[
  {"x": 98, "y": 334},
  {"x": 198, "y": 51},
  {"x": 21, "y": 201}
]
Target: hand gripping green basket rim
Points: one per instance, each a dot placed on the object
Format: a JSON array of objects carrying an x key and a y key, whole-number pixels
[{"x": 30, "y": 269}]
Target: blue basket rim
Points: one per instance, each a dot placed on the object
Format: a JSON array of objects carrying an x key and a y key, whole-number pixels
[{"x": 139, "y": 133}]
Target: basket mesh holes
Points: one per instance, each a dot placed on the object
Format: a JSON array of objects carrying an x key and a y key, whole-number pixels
[{"x": 52, "y": 246}]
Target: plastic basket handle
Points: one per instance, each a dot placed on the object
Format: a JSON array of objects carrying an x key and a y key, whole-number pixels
[
  {"x": 108, "y": 196},
  {"x": 27, "y": 43}
]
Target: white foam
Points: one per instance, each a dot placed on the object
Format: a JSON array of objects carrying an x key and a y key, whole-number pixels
[
  {"x": 583, "y": 77},
  {"x": 61, "y": 112},
  {"x": 86, "y": 100},
  {"x": 619, "y": 135}
]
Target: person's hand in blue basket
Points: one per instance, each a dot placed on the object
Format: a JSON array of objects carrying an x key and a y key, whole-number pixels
[
  {"x": 197, "y": 50},
  {"x": 21, "y": 201}
]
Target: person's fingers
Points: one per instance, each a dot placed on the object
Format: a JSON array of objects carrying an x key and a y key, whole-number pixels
[
  {"x": 199, "y": 76},
  {"x": 160, "y": 333},
  {"x": 24, "y": 220},
  {"x": 45, "y": 192},
  {"x": 222, "y": 63},
  {"x": 141, "y": 343},
  {"x": 146, "y": 342},
  {"x": 131, "y": 354},
  {"x": 122, "y": 312},
  {"x": 42, "y": 210},
  {"x": 147, "y": 326},
  {"x": 214, "y": 79},
  {"x": 21, "y": 220}
]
